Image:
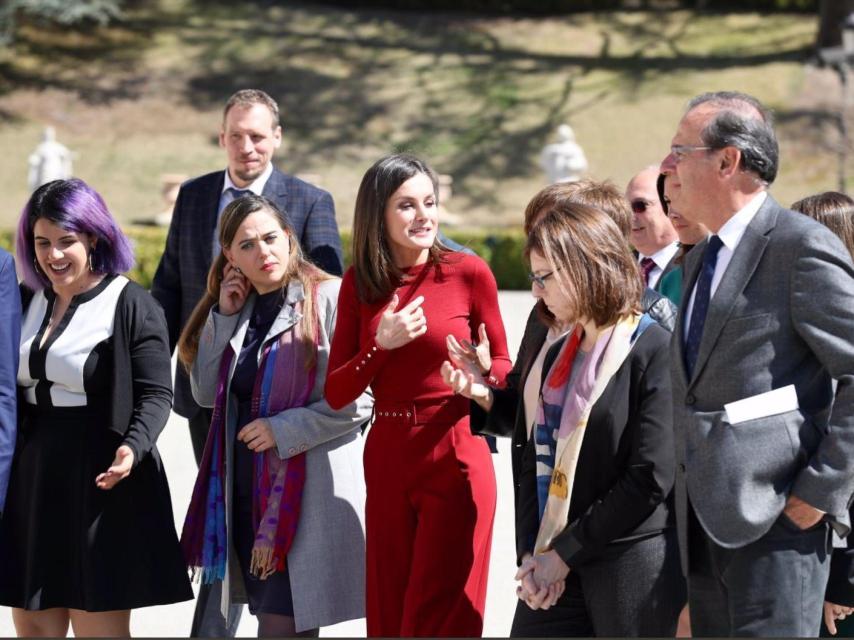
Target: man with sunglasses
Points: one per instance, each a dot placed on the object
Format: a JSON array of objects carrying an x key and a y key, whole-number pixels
[
  {"x": 653, "y": 235},
  {"x": 764, "y": 443}
]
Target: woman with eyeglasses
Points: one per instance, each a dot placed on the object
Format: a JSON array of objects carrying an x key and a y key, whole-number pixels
[
  {"x": 690, "y": 233},
  {"x": 595, "y": 538},
  {"x": 430, "y": 482}
]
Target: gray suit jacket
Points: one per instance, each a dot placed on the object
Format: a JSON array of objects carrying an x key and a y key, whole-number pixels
[
  {"x": 782, "y": 315},
  {"x": 327, "y": 560}
]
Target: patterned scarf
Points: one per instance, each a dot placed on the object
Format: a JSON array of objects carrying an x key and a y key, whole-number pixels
[
  {"x": 562, "y": 415},
  {"x": 282, "y": 382}
]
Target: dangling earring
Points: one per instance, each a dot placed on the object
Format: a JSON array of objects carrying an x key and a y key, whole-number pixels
[
  {"x": 90, "y": 261},
  {"x": 37, "y": 267}
]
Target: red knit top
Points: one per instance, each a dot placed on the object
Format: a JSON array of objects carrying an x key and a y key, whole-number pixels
[{"x": 459, "y": 294}]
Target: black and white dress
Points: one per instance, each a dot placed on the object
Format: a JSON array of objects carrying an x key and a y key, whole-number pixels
[{"x": 95, "y": 383}]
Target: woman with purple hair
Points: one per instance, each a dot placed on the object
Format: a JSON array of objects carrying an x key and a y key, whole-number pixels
[{"x": 88, "y": 532}]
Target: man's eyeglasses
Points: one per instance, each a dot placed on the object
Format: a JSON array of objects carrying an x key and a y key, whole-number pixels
[
  {"x": 639, "y": 206},
  {"x": 540, "y": 281},
  {"x": 679, "y": 151}
]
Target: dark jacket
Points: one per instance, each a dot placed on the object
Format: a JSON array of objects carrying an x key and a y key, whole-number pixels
[
  {"x": 626, "y": 468},
  {"x": 181, "y": 277},
  {"x": 507, "y": 417}
]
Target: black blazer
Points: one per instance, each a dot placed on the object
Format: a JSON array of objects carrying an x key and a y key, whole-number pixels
[
  {"x": 506, "y": 419},
  {"x": 626, "y": 468},
  {"x": 181, "y": 277}
]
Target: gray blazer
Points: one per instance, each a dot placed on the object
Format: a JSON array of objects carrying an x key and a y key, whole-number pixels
[
  {"x": 783, "y": 314},
  {"x": 327, "y": 560}
]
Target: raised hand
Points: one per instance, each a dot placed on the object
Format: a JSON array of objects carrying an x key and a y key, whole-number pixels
[
  {"x": 469, "y": 384},
  {"x": 400, "y": 327},
  {"x": 120, "y": 469},
  {"x": 464, "y": 352},
  {"x": 233, "y": 290}
]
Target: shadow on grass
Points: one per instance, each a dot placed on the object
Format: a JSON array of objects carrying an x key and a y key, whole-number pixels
[
  {"x": 362, "y": 83},
  {"x": 467, "y": 88}
]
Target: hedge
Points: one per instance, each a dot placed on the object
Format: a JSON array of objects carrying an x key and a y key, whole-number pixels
[{"x": 502, "y": 250}]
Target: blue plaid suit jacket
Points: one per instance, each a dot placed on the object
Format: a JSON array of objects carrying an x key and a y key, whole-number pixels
[{"x": 181, "y": 276}]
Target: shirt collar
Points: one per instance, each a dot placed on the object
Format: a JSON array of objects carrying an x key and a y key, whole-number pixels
[
  {"x": 256, "y": 187},
  {"x": 730, "y": 234},
  {"x": 663, "y": 256}
]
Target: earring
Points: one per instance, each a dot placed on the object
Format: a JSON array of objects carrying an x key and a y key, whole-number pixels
[
  {"x": 90, "y": 261},
  {"x": 37, "y": 267}
]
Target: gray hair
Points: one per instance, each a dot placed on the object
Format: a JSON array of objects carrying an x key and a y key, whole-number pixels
[{"x": 741, "y": 121}]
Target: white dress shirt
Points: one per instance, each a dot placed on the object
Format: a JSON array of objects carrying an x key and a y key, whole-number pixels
[
  {"x": 256, "y": 187},
  {"x": 661, "y": 258},
  {"x": 730, "y": 235}
]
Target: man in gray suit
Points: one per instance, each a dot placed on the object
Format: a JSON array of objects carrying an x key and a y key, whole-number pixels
[{"x": 765, "y": 448}]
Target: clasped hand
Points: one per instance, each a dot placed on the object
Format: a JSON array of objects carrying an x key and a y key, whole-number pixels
[
  {"x": 400, "y": 327},
  {"x": 542, "y": 579}
]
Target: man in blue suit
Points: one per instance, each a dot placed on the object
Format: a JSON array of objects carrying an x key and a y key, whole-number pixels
[
  {"x": 250, "y": 135},
  {"x": 10, "y": 336}
]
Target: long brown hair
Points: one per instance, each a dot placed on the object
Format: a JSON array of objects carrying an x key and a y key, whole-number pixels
[
  {"x": 835, "y": 211},
  {"x": 376, "y": 273},
  {"x": 591, "y": 259},
  {"x": 299, "y": 269}
]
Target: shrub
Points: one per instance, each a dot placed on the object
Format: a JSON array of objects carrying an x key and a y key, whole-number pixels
[{"x": 502, "y": 251}]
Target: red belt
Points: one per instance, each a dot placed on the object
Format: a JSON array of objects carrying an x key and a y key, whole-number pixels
[{"x": 441, "y": 411}]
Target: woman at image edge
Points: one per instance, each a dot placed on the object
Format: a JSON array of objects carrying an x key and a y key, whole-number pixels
[
  {"x": 430, "y": 482},
  {"x": 88, "y": 532}
]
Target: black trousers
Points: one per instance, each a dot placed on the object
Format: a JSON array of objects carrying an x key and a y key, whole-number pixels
[
  {"x": 773, "y": 587},
  {"x": 635, "y": 589}
]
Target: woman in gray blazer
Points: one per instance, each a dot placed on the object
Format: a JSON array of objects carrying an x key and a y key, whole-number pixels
[{"x": 277, "y": 513}]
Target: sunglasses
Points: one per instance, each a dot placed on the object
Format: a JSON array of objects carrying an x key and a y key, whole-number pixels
[
  {"x": 540, "y": 281},
  {"x": 640, "y": 206}
]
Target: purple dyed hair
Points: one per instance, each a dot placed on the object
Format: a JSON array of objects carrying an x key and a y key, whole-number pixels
[{"x": 74, "y": 206}]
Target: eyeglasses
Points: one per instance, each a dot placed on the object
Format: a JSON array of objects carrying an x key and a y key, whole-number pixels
[
  {"x": 679, "y": 151},
  {"x": 540, "y": 281},
  {"x": 639, "y": 206}
]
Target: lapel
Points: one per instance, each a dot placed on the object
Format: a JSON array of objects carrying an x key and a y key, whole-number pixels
[
  {"x": 208, "y": 213},
  {"x": 740, "y": 270},
  {"x": 276, "y": 190},
  {"x": 288, "y": 316},
  {"x": 690, "y": 271}
]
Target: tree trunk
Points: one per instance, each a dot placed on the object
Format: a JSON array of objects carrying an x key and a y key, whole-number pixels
[{"x": 832, "y": 14}]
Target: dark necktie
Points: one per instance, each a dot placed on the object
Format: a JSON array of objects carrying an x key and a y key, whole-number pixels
[
  {"x": 701, "y": 303},
  {"x": 646, "y": 267},
  {"x": 234, "y": 194}
]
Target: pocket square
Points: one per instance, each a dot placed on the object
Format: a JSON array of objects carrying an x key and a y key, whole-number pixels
[{"x": 762, "y": 405}]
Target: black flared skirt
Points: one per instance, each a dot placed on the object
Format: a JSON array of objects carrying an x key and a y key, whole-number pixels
[{"x": 66, "y": 543}]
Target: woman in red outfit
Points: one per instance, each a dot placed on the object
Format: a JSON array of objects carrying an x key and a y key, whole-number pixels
[{"x": 430, "y": 482}]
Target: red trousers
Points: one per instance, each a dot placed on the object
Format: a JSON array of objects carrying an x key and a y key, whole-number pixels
[{"x": 429, "y": 513}]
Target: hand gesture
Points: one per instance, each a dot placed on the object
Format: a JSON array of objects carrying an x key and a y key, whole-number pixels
[
  {"x": 122, "y": 464},
  {"x": 468, "y": 384},
  {"x": 233, "y": 290},
  {"x": 465, "y": 352},
  {"x": 257, "y": 435},
  {"x": 398, "y": 328},
  {"x": 834, "y": 612}
]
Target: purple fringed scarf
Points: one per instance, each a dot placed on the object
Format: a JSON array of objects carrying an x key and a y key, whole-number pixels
[{"x": 282, "y": 382}]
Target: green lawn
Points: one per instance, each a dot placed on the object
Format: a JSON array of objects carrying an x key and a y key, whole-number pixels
[{"x": 477, "y": 96}]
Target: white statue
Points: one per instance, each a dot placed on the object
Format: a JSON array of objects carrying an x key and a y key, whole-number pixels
[
  {"x": 564, "y": 160},
  {"x": 50, "y": 161}
]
